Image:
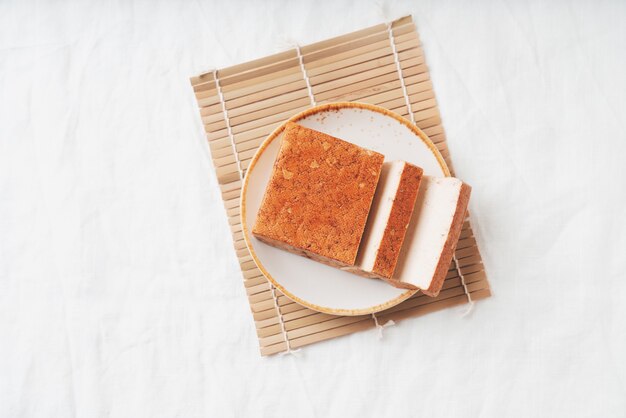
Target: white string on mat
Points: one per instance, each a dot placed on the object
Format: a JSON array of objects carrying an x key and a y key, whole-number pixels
[
  {"x": 412, "y": 117},
  {"x": 396, "y": 58},
  {"x": 380, "y": 328},
  {"x": 467, "y": 292},
  {"x": 227, "y": 120},
  {"x": 305, "y": 75},
  {"x": 281, "y": 322}
]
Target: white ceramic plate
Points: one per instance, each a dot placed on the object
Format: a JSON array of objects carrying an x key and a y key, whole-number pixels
[{"x": 317, "y": 286}]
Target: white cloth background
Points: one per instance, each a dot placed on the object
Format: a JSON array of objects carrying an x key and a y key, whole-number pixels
[{"x": 120, "y": 294}]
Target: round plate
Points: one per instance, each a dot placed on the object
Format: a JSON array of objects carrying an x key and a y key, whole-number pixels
[{"x": 312, "y": 284}]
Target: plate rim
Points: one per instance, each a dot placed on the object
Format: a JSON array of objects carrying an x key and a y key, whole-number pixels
[{"x": 242, "y": 200}]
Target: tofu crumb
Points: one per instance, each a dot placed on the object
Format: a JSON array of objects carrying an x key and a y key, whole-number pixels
[{"x": 287, "y": 174}]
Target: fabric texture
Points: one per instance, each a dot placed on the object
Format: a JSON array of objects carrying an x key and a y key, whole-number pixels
[{"x": 120, "y": 292}]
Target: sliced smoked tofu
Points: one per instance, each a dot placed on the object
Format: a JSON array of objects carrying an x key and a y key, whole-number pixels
[
  {"x": 432, "y": 234},
  {"x": 318, "y": 197},
  {"x": 388, "y": 220}
]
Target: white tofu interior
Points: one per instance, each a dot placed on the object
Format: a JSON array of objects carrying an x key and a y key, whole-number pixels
[
  {"x": 379, "y": 213},
  {"x": 428, "y": 231}
]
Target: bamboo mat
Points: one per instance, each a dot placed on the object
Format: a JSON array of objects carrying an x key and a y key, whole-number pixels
[{"x": 257, "y": 96}]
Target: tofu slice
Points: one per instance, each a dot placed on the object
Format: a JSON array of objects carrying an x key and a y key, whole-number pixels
[
  {"x": 388, "y": 220},
  {"x": 432, "y": 235},
  {"x": 317, "y": 201}
]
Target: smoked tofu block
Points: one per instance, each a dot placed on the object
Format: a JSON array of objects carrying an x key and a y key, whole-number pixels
[
  {"x": 318, "y": 197},
  {"x": 432, "y": 234},
  {"x": 389, "y": 218}
]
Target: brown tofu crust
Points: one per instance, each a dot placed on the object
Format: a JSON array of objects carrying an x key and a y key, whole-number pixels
[
  {"x": 450, "y": 246},
  {"x": 399, "y": 218},
  {"x": 301, "y": 252},
  {"x": 319, "y": 196}
]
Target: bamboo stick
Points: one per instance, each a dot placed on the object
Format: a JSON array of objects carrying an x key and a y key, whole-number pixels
[
  {"x": 275, "y": 85},
  {"x": 368, "y": 323},
  {"x": 290, "y": 67},
  {"x": 263, "y": 62}
]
